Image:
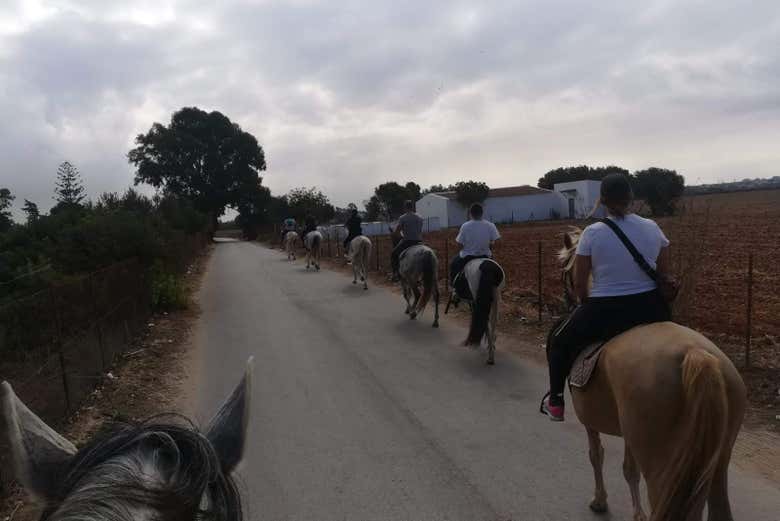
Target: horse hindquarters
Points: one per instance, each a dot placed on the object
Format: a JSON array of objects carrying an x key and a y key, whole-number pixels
[{"x": 490, "y": 276}]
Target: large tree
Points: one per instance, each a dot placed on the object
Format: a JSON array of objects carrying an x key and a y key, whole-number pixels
[
  {"x": 660, "y": 188},
  {"x": 68, "y": 189},
  {"x": 202, "y": 156},
  {"x": 470, "y": 192},
  {"x": 303, "y": 201},
  {"x": 31, "y": 210},
  {"x": 6, "y": 200},
  {"x": 388, "y": 200},
  {"x": 578, "y": 173}
]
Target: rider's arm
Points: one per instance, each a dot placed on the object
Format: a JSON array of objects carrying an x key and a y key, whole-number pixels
[
  {"x": 582, "y": 267},
  {"x": 662, "y": 263}
]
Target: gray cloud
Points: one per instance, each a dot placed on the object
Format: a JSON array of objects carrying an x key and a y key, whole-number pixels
[{"x": 345, "y": 95}]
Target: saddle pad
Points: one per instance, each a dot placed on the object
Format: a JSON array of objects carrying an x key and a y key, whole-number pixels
[
  {"x": 461, "y": 287},
  {"x": 585, "y": 365}
]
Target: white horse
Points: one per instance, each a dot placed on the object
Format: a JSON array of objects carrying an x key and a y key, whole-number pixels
[
  {"x": 420, "y": 266},
  {"x": 485, "y": 279},
  {"x": 360, "y": 255},
  {"x": 313, "y": 242},
  {"x": 162, "y": 468},
  {"x": 289, "y": 244}
]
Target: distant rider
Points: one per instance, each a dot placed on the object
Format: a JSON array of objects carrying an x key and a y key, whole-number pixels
[
  {"x": 310, "y": 225},
  {"x": 354, "y": 228},
  {"x": 476, "y": 237},
  {"x": 410, "y": 227},
  {"x": 288, "y": 225}
]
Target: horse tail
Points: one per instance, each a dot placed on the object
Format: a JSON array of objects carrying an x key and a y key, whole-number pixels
[
  {"x": 365, "y": 255},
  {"x": 430, "y": 271},
  {"x": 685, "y": 484},
  {"x": 315, "y": 241},
  {"x": 490, "y": 276}
]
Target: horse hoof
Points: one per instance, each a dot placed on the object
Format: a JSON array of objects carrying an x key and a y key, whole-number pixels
[
  {"x": 413, "y": 315},
  {"x": 599, "y": 507},
  {"x": 354, "y": 282},
  {"x": 436, "y": 324},
  {"x": 362, "y": 279},
  {"x": 490, "y": 361},
  {"x": 365, "y": 288}
]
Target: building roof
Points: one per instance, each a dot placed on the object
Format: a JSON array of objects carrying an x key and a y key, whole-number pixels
[{"x": 507, "y": 191}]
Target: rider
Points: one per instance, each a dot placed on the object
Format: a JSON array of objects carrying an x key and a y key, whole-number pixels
[
  {"x": 310, "y": 225},
  {"x": 476, "y": 237},
  {"x": 354, "y": 228},
  {"x": 288, "y": 225},
  {"x": 622, "y": 295},
  {"x": 410, "y": 226}
]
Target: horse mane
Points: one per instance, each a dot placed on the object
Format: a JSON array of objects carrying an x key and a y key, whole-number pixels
[
  {"x": 162, "y": 465},
  {"x": 566, "y": 254}
]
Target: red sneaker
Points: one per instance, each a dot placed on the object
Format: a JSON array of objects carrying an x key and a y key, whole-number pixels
[{"x": 554, "y": 412}]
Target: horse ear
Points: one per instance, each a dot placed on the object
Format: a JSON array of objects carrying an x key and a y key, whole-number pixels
[
  {"x": 568, "y": 242},
  {"x": 227, "y": 430},
  {"x": 39, "y": 455}
]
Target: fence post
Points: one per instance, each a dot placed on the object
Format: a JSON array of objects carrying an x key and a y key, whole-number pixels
[
  {"x": 447, "y": 261},
  {"x": 58, "y": 341},
  {"x": 749, "y": 322},
  {"x": 330, "y": 253},
  {"x": 539, "y": 288},
  {"x": 378, "y": 239}
]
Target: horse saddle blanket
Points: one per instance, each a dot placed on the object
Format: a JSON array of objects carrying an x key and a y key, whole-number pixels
[
  {"x": 585, "y": 365},
  {"x": 461, "y": 287}
]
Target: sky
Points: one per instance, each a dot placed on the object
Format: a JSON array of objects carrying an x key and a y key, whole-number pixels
[{"x": 345, "y": 95}]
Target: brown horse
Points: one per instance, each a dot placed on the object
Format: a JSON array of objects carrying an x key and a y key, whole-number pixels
[{"x": 677, "y": 401}]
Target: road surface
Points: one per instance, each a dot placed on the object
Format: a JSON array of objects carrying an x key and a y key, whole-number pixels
[{"x": 360, "y": 414}]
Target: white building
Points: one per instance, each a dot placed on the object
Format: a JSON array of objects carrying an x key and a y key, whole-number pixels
[{"x": 516, "y": 204}]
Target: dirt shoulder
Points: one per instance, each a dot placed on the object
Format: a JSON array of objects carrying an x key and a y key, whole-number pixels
[
  {"x": 153, "y": 376},
  {"x": 757, "y": 448}
]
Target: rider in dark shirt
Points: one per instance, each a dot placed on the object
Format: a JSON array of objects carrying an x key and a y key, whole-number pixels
[
  {"x": 410, "y": 226},
  {"x": 354, "y": 228},
  {"x": 310, "y": 226}
]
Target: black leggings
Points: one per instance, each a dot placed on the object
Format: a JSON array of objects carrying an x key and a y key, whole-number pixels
[
  {"x": 597, "y": 319},
  {"x": 347, "y": 241},
  {"x": 458, "y": 263}
]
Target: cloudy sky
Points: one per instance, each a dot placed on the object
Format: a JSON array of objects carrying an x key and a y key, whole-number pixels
[{"x": 345, "y": 95}]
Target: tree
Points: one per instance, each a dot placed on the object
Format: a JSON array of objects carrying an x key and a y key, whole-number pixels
[
  {"x": 31, "y": 209},
  {"x": 201, "y": 156},
  {"x": 470, "y": 192},
  {"x": 435, "y": 189},
  {"x": 6, "y": 200},
  {"x": 388, "y": 200},
  {"x": 68, "y": 189},
  {"x": 660, "y": 188},
  {"x": 578, "y": 173},
  {"x": 303, "y": 201}
]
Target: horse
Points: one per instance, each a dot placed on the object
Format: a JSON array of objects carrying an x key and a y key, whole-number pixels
[
  {"x": 419, "y": 265},
  {"x": 677, "y": 401},
  {"x": 485, "y": 279},
  {"x": 289, "y": 244},
  {"x": 162, "y": 468},
  {"x": 360, "y": 255},
  {"x": 313, "y": 241}
]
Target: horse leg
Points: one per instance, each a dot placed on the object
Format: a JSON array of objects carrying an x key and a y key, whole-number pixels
[
  {"x": 491, "y": 333},
  {"x": 596, "y": 453},
  {"x": 436, "y": 304},
  {"x": 405, "y": 289},
  {"x": 416, "y": 293},
  {"x": 354, "y": 273},
  {"x": 631, "y": 473}
]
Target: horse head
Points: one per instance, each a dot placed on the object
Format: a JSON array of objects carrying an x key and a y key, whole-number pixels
[
  {"x": 566, "y": 256},
  {"x": 162, "y": 468}
]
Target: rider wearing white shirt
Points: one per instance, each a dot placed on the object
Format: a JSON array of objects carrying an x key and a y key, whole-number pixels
[
  {"x": 476, "y": 237},
  {"x": 622, "y": 295}
]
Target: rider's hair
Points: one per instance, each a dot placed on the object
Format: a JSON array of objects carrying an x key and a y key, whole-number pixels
[
  {"x": 616, "y": 194},
  {"x": 409, "y": 206},
  {"x": 476, "y": 211}
]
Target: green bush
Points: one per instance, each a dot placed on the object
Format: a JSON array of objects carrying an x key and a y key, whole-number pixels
[{"x": 168, "y": 290}]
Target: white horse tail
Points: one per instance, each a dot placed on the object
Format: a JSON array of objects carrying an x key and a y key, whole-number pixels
[
  {"x": 365, "y": 255},
  {"x": 430, "y": 272},
  {"x": 686, "y": 482},
  {"x": 490, "y": 276}
]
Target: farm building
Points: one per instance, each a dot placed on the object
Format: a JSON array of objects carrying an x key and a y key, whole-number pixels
[{"x": 516, "y": 204}]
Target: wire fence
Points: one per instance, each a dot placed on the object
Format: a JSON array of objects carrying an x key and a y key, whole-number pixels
[{"x": 58, "y": 343}]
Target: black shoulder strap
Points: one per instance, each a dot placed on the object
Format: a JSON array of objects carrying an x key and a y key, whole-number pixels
[{"x": 632, "y": 249}]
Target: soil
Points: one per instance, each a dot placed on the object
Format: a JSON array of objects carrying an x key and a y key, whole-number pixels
[{"x": 152, "y": 377}]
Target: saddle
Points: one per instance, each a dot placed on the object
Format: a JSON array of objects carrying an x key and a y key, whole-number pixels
[
  {"x": 461, "y": 288},
  {"x": 585, "y": 365}
]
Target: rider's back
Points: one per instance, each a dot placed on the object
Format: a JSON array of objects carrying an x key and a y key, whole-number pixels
[
  {"x": 476, "y": 236},
  {"x": 615, "y": 273}
]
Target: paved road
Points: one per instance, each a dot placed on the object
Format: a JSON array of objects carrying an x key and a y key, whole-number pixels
[{"x": 359, "y": 414}]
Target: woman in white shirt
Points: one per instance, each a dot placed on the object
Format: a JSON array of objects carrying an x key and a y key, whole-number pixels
[{"x": 622, "y": 295}]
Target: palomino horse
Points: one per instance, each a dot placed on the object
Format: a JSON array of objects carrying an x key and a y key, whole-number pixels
[
  {"x": 360, "y": 255},
  {"x": 289, "y": 244},
  {"x": 158, "y": 469},
  {"x": 677, "y": 401},
  {"x": 420, "y": 266},
  {"x": 313, "y": 249},
  {"x": 485, "y": 279}
]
